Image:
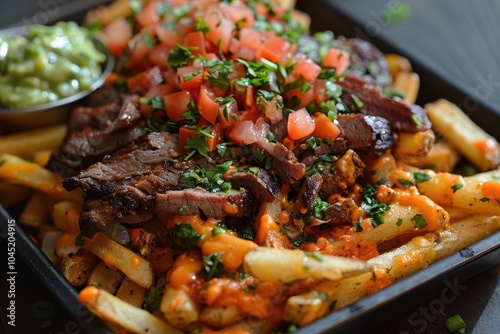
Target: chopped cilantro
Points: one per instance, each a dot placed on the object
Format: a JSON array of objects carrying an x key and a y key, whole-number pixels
[
  {"x": 201, "y": 26},
  {"x": 79, "y": 241},
  {"x": 198, "y": 144},
  {"x": 484, "y": 199},
  {"x": 372, "y": 207},
  {"x": 317, "y": 207},
  {"x": 419, "y": 221},
  {"x": 247, "y": 231},
  {"x": 148, "y": 40},
  {"x": 179, "y": 57},
  {"x": 421, "y": 176},
  {"x": 399, "y": 222},
  {"x": 358, "y": 226},
  {"x": 456, "y": 187},
  {"x": 301, "y": 238},
  {"x": 184, "y": 237},
  {"x": 191, "y": 114},
  {"x": 314, "y": 255},
  {"x": 158, "y": 124},
  {"x": 359, "y": 104},
  {"x": 152, "y": 299},
  {"x": 405, "y": 183},
  {"x": 212, "y": 264},
  {"x": 208, "y": 179}
]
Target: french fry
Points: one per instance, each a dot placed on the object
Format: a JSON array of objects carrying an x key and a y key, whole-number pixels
[
  {"x": 398, "y": 64},
  {"x": 21, "y": 172},
  {"x": 455, "y": 190},
  {"x": 412, "y": 148},
  {"x": 408, "y": 83},
  {"x": 220, "y": 316},
  {"x": 49, "y": 242},
  {"x": 133, "y": 265},
  {"x": 492, "y": 175},
  {"x": 291, "y": 265},
  {"x": 35, "y": 212},
  {"x": 442, "y": 157},
  {"x": 469, "y": 139},
  {"x": 103, "y": 277},
  {"x": 418, "y": 253},
  {"x": 178, "y": 307},
  {"x": 131, "y": 293},
  {"x": 122, "y": 314},
  {"x": 65, "y": 215},
  {"x": 77, "y": 268},
  {"x": 13, "y": 194},
  {"x": 25, "y": 144}
]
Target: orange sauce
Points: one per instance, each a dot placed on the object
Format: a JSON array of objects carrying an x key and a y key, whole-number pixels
[
  {"x": 233, "y": 248},
  {"x": 184, "y": 270},
  {"x": 491, "y": 189},
  {"x": 88, "y": 294}
]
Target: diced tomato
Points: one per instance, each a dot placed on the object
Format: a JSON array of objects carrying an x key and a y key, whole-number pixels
[
  {"x": 320, "y": 94},
  {"x": 240, "y": 14},
  {"x": 272, "y": 109},
  {"x": 207, "y": 107},
  {"x": 139, "y": 52},
  {"x": 338, "y": 59},
  {"x": 148, "y": 14},
  {"x": 218, "y": 137},
  {"x": 184, "y": 134},
  {"x": 167, "y": 36},
  {"x": 190, "y": 77},
  {"x": 220, "y": 28},
  {"x": 159, "y": 90},
  {"x": 251, "y": 38},
  {"x": 243, "y": 132},
  {"x": 142, "y": 82},
  {"x": 307, "y": 68},
  {"x": 196, "y": 41},
  {"x": 300, "y": 124},
  {"x": 274, "y": 49},
  {"x": 176, "y": 104},
  {"x": 116, "y": 35},
  {"x": 159, "y": 55},
  {"x": 300, "y": 99},
  {"x": 228, "y": 114},
  {"x": 325, "y": 128}
]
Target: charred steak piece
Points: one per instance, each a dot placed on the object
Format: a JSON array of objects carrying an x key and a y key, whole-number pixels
[
  {"x": 235, "y": 203},
  {"x": 402, "y": 117},
  {"x": 342, "y": 174},
  {"x": 339, "y": 213},
  {"x": 259, "y": 181},
  {"x": 100, "y": 130},
  {"x": 123, "y": 167}
]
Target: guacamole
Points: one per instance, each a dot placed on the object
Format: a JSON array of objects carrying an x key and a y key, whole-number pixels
[{"x": 48, "y": 64}]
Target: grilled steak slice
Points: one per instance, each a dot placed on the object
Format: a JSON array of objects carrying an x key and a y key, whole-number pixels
[
  {"x": 402, "y": 117},
  {"x": 342, "y": 174},
  {"x": 257, "y": 180},
  {"x": 306, "y": 196},
  {"x": 368, "y": 134},
  {"x": 235, "y": 203},
  {"x": 95, "y": 132},
  {"x": 339, "y": 213},
  {"x": 137, "y": 159}
]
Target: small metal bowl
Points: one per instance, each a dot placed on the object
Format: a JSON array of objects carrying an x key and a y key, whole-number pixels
[{"x": 12, "y": 120}]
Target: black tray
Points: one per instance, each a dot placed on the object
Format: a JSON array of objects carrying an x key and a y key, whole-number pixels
[{"x": 340, "y": 17}]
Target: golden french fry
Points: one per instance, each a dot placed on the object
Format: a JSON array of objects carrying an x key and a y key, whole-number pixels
[
  {"x": 469, "y": 139},
  {"x": 122, "y": 314},
  {"x": 220, "y": 316},
  {"x": 36, "y": 212},
  {"x": 25, "y": 144},
  {"x": 398, "y": 64},
  {"x": 492, "y": 175},
  {"x": 291, "y": 265},
  {"x": 13, "y": 194},
  {"x": 77, "y": 268},
  {"x": 178, "y": 307},
  {"x": 412, "y": 148},
  {"x": 408, "y": 83},
  {"x": 103, "y": 277},
  {"x": 131, "y": 292},
  {"x": 21, "y": 172},
  {"x": 115, "y": 255},
  {"x": 65, "y": 215},
  {"x": 442, "y": 157}
]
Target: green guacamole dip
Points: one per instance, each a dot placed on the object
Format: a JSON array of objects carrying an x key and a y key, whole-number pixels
[{"x": 48, "y": 64}]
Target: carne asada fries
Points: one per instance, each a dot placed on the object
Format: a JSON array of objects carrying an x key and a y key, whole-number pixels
[{"x": 233, "y": 175}]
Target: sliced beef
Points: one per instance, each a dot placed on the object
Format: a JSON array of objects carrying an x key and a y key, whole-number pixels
[
  {"x": 306, "y": 196},
  {"x": 371, "y": 135},
  {"x": 342, "y": 174},
  {"x": 339, "y": 213},
  {"x": 135, "y": 160},
  {"x": 97, "y": 131},
  {"x": 257, "y": 180},
  {"x": 401, "y": 116},
  {"x": 235, "y": 203}
]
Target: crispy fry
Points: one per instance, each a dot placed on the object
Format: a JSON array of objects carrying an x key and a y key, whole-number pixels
[
  {"x": 407, "y": 83},
  {"x": 131, "y": 293},
  {"x": 122, "y": 314},
  {"x": 220, "y": 316},
  {"x": 35, "y": 213},
  {"x": 469, "y": 139},
  {"x": 291, "y": 265},
  {"x": 77, "y": 268},
  {"x": 133, "y": 265},
  {"x": 178, "y": 307},
  {"x": 26, "y": 144},
  {"x": 65, "y": 216},
  {"x": 442, "y": 157},
  {"x": 398, "y": 64},
  {"x": 21, "y": 172},
  {"x": 103, "y": 277},
  {"x": 412, "y": 148}
]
